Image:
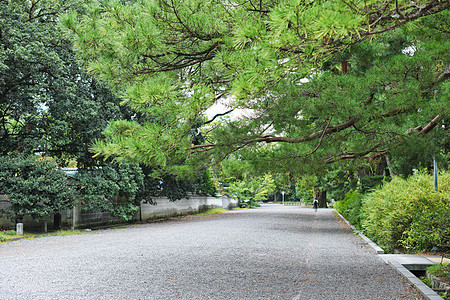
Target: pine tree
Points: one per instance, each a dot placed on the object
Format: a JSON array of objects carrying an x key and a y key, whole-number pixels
[{"x": 321, "y": 81}]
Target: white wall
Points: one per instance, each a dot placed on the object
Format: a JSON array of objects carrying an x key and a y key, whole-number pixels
[
  {"x": 165, "y": 207},
  {"x": 77, "y": 218}
]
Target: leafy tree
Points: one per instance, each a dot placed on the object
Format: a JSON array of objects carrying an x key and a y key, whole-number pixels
[
  {"x": 339, "y": 182},
  {"x": 48, "y": 103},
  {"x": 322, "y": 81},
  {"x": 305, "y": 187},
  {"x": 34, "y": 187},
  {"x": 111, "y": 188},
  {"x": 252, "y": 189}
]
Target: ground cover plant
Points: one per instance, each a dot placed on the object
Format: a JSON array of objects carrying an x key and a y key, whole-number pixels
[
  {"x": 213, "y": 211},
  {"x": 8, "y": 235}
]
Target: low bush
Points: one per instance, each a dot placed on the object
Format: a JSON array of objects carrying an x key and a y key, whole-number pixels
[
  {"x": 439, "y": 270},
  {"x": 350, "y": 207},
  {"x": 409, "y": 214}
]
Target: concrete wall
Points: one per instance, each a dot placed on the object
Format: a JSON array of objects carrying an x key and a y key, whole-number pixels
[
  {"x": 195, "y": 203},
  {"x": 78, "y": 218}
]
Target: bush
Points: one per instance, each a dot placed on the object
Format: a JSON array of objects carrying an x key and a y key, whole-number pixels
[
  {"x": 350, "y": 207},
  {"x": 34, "y": 187},
  {"x": 439, "y": 270},
  {"x": 117, "y": 183},
  {"x": 408, "y": 213}
]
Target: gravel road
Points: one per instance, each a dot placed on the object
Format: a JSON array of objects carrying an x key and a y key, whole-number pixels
[{"x": 274, "y": 252}]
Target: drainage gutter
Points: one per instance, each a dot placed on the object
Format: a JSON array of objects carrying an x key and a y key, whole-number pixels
[{"x": 425, "y": 290}]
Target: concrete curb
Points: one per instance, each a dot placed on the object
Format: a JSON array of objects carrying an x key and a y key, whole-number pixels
[{"x": 425, "y": 290}]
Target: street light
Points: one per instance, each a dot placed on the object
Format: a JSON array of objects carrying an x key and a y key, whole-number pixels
[{"x": 282, "y": 193}]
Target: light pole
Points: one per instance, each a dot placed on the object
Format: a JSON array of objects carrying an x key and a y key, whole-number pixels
[
  {"x": 435, "y": 173},
  {"x": 282, "y": 193}
]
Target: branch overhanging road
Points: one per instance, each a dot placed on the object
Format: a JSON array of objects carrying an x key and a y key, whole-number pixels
[{"x": 274, "y": 252}]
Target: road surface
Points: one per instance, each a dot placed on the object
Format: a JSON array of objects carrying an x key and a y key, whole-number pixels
[{"x": 274, "y": 252}]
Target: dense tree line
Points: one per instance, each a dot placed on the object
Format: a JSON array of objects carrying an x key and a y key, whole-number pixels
[{"x": 52, "y": 109}]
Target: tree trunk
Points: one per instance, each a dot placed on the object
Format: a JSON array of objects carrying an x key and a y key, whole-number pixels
[
  {"x": 344, "y": 65},
  {"x": 322, "y": 199},
  {"x": 388, "y": 163}
]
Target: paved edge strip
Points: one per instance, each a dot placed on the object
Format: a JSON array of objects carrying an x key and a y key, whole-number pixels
[
  {"x": 374, "y": 246},
  {"x": 424, "y": 289}
]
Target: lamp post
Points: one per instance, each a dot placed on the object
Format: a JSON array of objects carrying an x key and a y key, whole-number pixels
[
  {"x": 435, "y": 173},
  {"x": 282, "y": 193}
]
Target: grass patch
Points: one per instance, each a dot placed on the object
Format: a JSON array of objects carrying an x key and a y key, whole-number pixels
[
  {"x": 213, "y": 211},
  {"x": 6, "y": 236},
  {"x": 440, "y": 270},
  {"x": 67, "y": 232},
  {"x": 239, "y": 208},
  {"x": 11, "y": 234}
]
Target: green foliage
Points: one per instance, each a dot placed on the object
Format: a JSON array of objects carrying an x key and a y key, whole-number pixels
[
  {"x": 48, "y": 102},
  {"x": 34, "y": 187},
  {"x": 350, "y": 207},
  {"x": 409, "y": 213},
  {"x": 251, "y": 190},
  {"x": 430, "y": 229},
  {"x": 280, "y": 62},
  {"x": 427, "y": 281},
  {"x": 338, "y": 182},
  {"x": 120, "y": 187},
  {"x": 207, "y": 185},
  {"x": 305, "y": 186},
  {"x": 370, "y": 182},
  {"x": 111, "y": 188},
  {"x": 442, "y": 271},
  {"x": 439, "y": 270}
]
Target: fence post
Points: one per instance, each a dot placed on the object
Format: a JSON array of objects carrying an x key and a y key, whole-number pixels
[{"x": 19, "y": 228}]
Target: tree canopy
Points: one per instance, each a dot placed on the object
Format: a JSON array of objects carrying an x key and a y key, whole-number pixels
[
  {"x": 319, "y": 81},
  {"x": 48, "y": 103},
  {"x": 52, "y": 107}
]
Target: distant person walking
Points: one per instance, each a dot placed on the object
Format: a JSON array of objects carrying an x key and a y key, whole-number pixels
[{"x": 315, "y": 204}]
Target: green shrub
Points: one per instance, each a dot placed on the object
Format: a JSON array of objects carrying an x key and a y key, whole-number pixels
[
  {"x": 439, "y": 270},
  {"x": 34, "y": 186},
  {"x": 408, "y": 213},
  {"x": 350, "y": 207}
]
